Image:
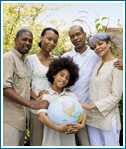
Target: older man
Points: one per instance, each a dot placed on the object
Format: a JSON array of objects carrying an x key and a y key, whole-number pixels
[
  {"x": 86, "y": 60},
  {"x": 16, "y": 90}
]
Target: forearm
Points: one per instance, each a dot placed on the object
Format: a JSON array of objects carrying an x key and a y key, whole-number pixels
[
  {"x": 12, "y": 95},
  {"x": 43, "y": 118}
]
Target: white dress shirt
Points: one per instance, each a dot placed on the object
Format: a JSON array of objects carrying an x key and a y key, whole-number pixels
[
  {"x": 38, "y": 72},
  {"x": 86, "y": 63}
]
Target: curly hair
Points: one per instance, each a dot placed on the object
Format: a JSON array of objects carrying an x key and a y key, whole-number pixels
[{"x": 60, "y": 64}]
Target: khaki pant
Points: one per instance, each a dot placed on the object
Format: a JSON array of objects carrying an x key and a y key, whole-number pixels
[
  {"x": 36, "y": 131},
  {"x": 82, "y": 137},
  {"x": 12, "y": 136}
]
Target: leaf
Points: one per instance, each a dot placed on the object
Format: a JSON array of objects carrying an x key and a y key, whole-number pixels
[{"x": 104, "y": 18}]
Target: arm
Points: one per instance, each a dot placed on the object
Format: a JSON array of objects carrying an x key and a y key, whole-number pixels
[
  {"x": 82, "y": 122},
  {"x": 8, "y": 84},
  {"x": 108, "y": 103},
  {"x": 75, "y": 128},
  {"x": 43, "y": 117},
  {"x": 39, "y": 96},
  {"x": 11, "y": 94},
  {"x": 88, "y": 106}
]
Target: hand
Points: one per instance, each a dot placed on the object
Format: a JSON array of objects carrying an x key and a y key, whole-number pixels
[
  {"x": 41, "y": 93},
  {"x": 119, "y": 64},
  {"x": 75, "y": 128},
  {"x": 88, "y": 106},
  {"x": 36, "y": 105},
  {"x": 61, "y": 128},
  {"x": 71, "y": 129}
]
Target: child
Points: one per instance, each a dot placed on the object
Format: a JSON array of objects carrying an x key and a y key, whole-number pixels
[{"x": 62, "y": 73}]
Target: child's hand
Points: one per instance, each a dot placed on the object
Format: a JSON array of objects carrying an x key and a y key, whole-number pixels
[
  {"x": 62, "y": 128},
  {"x": 41, "y": 93},
  {"x": 77, "y": 127},
  {"x": 71, "y": 129}
]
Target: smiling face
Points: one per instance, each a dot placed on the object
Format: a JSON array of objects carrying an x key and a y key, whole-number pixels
[
  {"x": 77, "y": 37},
  {"x": 102, "y": 48},
  {"x": 61, "y": 79},
  {"x": 49, "y": 41},
  {"x": 23, "y": 43}
]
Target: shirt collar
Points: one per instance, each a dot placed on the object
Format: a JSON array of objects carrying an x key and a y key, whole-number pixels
[
  {"x": 18, "y": 54},
  {"x": 84, "y": 53},
  {"x": 52, "y": 92}
]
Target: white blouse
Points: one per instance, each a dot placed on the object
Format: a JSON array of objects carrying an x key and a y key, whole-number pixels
[
  {"x": 50, "y": 136},
  {"x": 105, "y": 92},
  {"x": 38, "y": 73}
]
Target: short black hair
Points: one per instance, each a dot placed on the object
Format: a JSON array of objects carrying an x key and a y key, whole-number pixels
[
  {"x": 48, "y": 29},
  {"x": 21, "y": 31},
  {"x": 63, "y": 63},
  {"x": 77, "y": 26}
]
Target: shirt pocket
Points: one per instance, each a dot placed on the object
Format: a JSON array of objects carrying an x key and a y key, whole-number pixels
[{"x": 21, "y": 80}]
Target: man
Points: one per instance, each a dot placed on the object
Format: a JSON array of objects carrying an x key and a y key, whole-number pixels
[
  {"x": 16, "y": 90},
  {"x": 86, "y": 60}
]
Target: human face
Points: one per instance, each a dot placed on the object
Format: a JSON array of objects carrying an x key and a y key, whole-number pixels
[
  {"x": 77, "y": 37},
  {"x": 102, "y": 48},
  {"x": 24, "y": 43},
  {"x": 61, "y": 79},
  {"x": 49, "y": 41}
]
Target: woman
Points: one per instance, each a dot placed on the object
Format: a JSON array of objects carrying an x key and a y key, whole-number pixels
[
  {"x": 38, "y": 67},
  {"x": 105, "y": 92},
  {"x": 62, "y": 73}
]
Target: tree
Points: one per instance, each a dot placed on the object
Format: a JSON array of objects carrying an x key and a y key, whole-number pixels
[
  {"x": 101, "y": 24},
  {"x": 18, "y": 16}
]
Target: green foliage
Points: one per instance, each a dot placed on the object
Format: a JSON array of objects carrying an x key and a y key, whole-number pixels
[
  {"x": 27, "y": 137},
  {"x": 99, "y": 24},
  {"x": 17, "y": 16},
  {"x": 62, "y": 46}
]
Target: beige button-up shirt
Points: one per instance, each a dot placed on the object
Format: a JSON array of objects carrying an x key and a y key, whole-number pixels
[
  {"x": 105, "y": 92},
  {"x": 15, "y": 76}
]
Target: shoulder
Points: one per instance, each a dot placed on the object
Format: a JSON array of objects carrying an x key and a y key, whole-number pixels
[
  {"x": 30, "y": 57},
  {"x": 69, "y": 53},
  {"x": 115, "y": 70},
  {"x": 92, "y": 53},
  {"x": 9, "y": 56}
]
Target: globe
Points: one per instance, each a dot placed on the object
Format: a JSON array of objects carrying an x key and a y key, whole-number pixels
[{"x": 65, "y": 110}]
